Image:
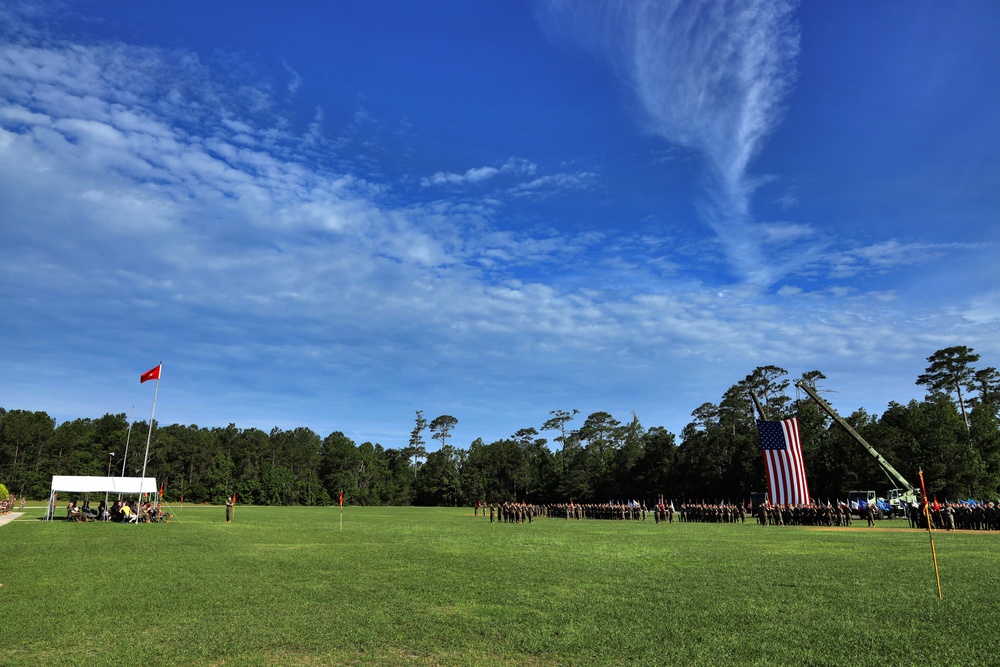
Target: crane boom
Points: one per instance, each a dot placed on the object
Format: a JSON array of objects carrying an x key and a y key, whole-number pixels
[{"x": 885, "y": 465}]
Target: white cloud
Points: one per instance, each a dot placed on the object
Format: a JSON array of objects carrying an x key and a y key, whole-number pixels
[
  {"x": 146, "y": 209},
  {"x": 474, "y": 175},
  {"x": 892, "y": 254},
  {"x": 555, "y": 183},
  {"x": 708, "y": 76}
]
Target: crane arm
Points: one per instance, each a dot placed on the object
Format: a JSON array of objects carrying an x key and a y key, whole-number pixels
[{"x": 885, "y": 465}]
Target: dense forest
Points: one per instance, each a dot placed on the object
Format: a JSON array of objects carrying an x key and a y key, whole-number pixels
[{"x": 953, "y": 435}]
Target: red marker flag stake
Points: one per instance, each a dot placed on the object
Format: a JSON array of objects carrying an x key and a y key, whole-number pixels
[
  {"x": 341, "y": 511},
  {"x": 927, "y": 516}
]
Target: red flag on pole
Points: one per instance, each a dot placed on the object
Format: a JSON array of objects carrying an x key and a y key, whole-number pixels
[
  {"x": 151, "y": 374},
  {"x": 341, "y": 498},
  {"x": 234, "y": 497},
  {"x": 161, "y": 492}
]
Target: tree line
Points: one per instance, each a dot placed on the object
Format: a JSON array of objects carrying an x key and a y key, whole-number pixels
[{"x": 953, "y": 435}]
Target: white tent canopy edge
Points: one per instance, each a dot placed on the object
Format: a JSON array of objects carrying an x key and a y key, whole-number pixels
[
  {"x": 84, "y": 484},
  {"x": 79, "y": 484}
]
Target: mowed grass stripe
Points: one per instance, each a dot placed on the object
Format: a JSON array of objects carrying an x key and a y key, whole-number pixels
[{"x": 285, "y": 586}]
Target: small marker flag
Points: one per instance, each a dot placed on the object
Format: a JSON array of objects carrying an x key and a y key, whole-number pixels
[
  {"x": 341, "y": 503},
  {"x": 151, "y": 374}
]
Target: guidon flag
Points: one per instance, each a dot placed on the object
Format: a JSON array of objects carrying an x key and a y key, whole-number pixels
[
  {"x": 151, "y": 374},
  {"x": 786, "y": 473}
]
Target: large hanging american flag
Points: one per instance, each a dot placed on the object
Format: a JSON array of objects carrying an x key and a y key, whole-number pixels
[{"x": 786, "y": 474}]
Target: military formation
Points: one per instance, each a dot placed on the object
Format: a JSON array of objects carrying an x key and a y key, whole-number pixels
[
  {"x": 807, "y": 515},
  {"x": 713, "y": 513},
  {"x": 631, "y": 511},
  {"x": 946, "y": 516},
  {"x": 525, "y": 513},
  {"x": 514, "y": 512},
  {"x": 957, "y": 516}
]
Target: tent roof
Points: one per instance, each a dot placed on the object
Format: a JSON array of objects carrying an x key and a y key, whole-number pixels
[{"x": 80, "y": 484}]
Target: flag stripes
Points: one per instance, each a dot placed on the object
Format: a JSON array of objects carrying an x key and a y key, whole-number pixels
[{"x": 783, "y": 465}]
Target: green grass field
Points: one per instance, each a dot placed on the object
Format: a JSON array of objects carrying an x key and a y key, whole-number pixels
[{"x": 401, "y": 586}]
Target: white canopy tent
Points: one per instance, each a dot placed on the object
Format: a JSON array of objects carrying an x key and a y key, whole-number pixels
[{"x": 118, "y": 485}]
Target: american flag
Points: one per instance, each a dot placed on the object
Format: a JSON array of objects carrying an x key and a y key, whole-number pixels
[{"x": 786, "y": 474}]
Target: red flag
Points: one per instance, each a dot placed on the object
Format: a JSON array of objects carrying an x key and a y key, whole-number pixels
[
  {"x": 937, "y": 505},
  {"x": 161, "y": 492},
  {"x": 151, "y": 374},
  {"x": 341, "y": 498},
  {"x": 785, "y": 471},
  {"x": 234, "y": 497}
]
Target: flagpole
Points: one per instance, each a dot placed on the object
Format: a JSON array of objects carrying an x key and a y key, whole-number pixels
[
  {"x": 128, "y": 437},
  {"x": 930, "y": 533},
  {"x": 149, "y": 434}
]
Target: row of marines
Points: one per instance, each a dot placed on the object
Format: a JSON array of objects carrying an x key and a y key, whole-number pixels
[
  {"x": 807, "y": 515},
  {"x": 947, "y": 516},
  {"x": 957, "y": 516}
]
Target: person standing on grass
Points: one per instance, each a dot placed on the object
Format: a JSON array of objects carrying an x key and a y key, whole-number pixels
[
  {"x": 229, "y": 510},
  {"x": 949, "y": 517}
]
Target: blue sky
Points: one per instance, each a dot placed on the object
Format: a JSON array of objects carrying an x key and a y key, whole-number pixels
[{"x": 335, "y": 214}]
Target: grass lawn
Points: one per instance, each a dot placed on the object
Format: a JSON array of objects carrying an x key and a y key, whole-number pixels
[{"x": 413, "y": 586}]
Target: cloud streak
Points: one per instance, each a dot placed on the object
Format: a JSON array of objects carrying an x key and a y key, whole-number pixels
[
  {"x": 480, "y": 174},
  {"x": 710, "y": 76}
]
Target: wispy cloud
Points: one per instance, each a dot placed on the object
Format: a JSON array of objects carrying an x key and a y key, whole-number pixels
[
  {"x": 710, "y": 76},
  {"x": 552, "y": 183},
  {"x": 152, "y": 205},
  {"x": 480, "y": 174},
  {"x": 887, "y": 255}
]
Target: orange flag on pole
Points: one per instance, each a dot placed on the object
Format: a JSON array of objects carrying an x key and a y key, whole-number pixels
[{"x": 927, "y": 515}]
